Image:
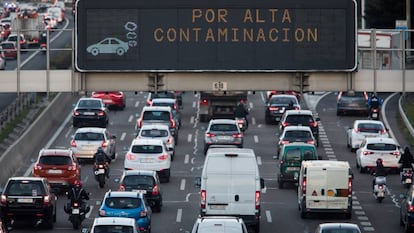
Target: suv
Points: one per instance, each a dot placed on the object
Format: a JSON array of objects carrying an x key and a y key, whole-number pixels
[
  {"x": 91, "y": 111},
  {"x": 225, "y": 224},
  {"x": 222, "y": 132},
  {"x": 277, "y": 105},
  {"x": 158, "y": 115},
  {"x": 59, "y": 166},
  {"x": 301, "y": 117},
  {"x": 161, "y": 132},
  {"x": 26, "y": 199},
  {"x": 23, "y": 42},
  {"x": 352, "y": 102},
  {"x": 114, "y": 224},
  {"x": 173, "y": 104},
  {"x": 145, "y": 182},
  {"x": 86, "y": 141},
  {"x": 406, "y": 210}
]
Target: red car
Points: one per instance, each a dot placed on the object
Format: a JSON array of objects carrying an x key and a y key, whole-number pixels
[
  {"x": 9, "y": 49},
  {"x": 4, "y": 31},
  {"x": 111, "y": 98}
]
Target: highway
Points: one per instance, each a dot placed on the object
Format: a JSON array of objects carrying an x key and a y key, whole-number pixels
[{"x": 279, "y": 206}]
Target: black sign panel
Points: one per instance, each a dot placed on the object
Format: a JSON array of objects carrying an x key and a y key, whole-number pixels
[{"x": 215, "y": 35}]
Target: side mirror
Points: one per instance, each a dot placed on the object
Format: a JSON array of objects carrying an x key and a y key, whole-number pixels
[
  {"x": 197, "y": 182},
  {"x": 317, "y": 119},
  {"x": 117, "y": 180},
  {"x": 113, "y": 136}
]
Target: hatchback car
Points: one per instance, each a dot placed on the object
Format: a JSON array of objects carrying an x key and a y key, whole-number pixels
[
  {"x": 225, "y": 224},
  {"x": 362, "y": 129},
  {"x": 353, "y": 102},
  {"x": 222, "y": 132},
  {"x": 149, "y": 154},
  {"x": 166, "y": 94},
  {"x": 277, "y": 105},
  {"x": 109, "y": 45},
  {"x": 296, "y": 134},
  {"x": 301, "y": 118},
  {"x": 158, "y": 115},
  {"x": 173, "y": 104},
  {"x": 86, "y": 141},
  {"x": 23, "y": 43},
  {"x": 114, "y": 224},
  {"x": 337, "y": 228},
  {"x": 127, "y": 204},
  {"x": 90, "y": 111},
  {"x": 9, "y": 49},
  {"x": 161, "y": 132},
  {"x": 112, "y": 99},
  {"x": 407, "y": 210},
  {"x": 145, "y": 182},
  {"x": 59, "y": 166},
  {"x": 372, "y": 149}
]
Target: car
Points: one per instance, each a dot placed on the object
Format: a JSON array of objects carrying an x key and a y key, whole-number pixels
[
  {"x": 114, "y": 224},
  {"x": 50, "y": 22},
  {"x": 362, "y": 129},
  {"x": 86, "y": 141},
  {"x": 3, "y": 61},
  {"x": 407, "y": 210},
  {"x": 158, "y": 115},
  {"x": 146, "y": 182},
  {"x": 222, "y": 132},
  {"x": 173, "y": 104},
  {"x": 158, "y": 131},
  {"x": 28, "y": 199},
  {"x": 23, "y": 43},
  {"x": 290, "y": 92},
  {"x": 114, "y": 99},
  {"x": 166, "y": 94},
  {"x": 301, "y": 117},
  {"x": 334, "y": 227},
  {"x": 372, "y": 149},
  {"x": 224, "y": 224},
  {"x": 9, "y": 49},
  {"x": 290, "y": 159},
  {"x": 5, "y": 31},
  {"x": 296, "y": 134},
  {"x": 56, "y": 13},
  {"x": 352, "y": 102},
  {"x": 149, "y": 154},
  {"x": 59, "y": 166},
  {"x": 90, "y": 111},
  {"x": 277, "y": 105},
  {"x": 4, "y": 228},
  {"x": 127, "y": 204},
  {"x": 109, "y": 45}
]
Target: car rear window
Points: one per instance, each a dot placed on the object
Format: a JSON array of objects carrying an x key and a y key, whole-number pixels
[
  {"x": 123, "y": 202},
  {"x": 156, "y": 115},
  {"x": 298, "y": 134},
  {"x": 223, "y": 127},
  {"x": 147, "y": 149},
  {"x": 282, "y": 101},
  {"x": 138, "y": 180},
  {"x": 24, "y": 188},
  {"x": 113, "y": 229},
  {"x": 370, "y": 127},
  {"x": 340, "y": 231},
  {"x": 89, "y": 104},
  {"x": 89, "y": 136},
  {"x": 7, "y": 46},
  {"x": 163, "y": 104},
  {"x": 293, "y": 155},
  {"x": 299, "y": 119},
  {"x": 154, "y": 133},
  {"x": 353, "y": 94},
  {"x": 55, "y": 160},
  {"x": 381, "y": 146}
]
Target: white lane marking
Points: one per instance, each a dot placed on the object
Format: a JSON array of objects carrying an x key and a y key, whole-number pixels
[
  {"x": 268, "y": 216},
  {"x": 190, "y": 136},
  {"x": 123, "y": 135},
  {"x": 259, "y": 160},
  {"x": 182, "y": 185},
  {"x": 179, "y": 215},
  {"x": 253, "y": 120},
  {"x": 256, "y": 139},
  {"x": 130, "y": 118},
  {"x": 192, "y": 120},
  {"x": 194, "y": 104},
  {"x": 90, "y": 211},
  {"x": 251, "y": 105},
  {"x": 186, "y": 158},
  {"x": 136, "y": 104}
]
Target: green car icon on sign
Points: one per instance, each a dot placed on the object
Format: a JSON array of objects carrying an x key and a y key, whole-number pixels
[{"x": 108, "y": 45}]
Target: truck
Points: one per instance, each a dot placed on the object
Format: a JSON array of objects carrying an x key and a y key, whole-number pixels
[
  {"x": 219, "y": 104},
  {"x": 29, "y": 23}
]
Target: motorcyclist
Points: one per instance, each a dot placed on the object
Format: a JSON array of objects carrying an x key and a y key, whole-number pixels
[
  {"x": 379, "y": 170},
  {"x": 77, "y": 194},
  {"x": 241, "y": 112},
  {"x": 100, "y": 157},
  {"x": 406, "y": 160},
  {"x": 374, "y": 102}
]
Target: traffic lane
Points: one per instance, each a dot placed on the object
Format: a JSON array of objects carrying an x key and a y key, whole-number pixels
[
  {"x": 365, "y": 210},
  {"x": 394, "y": 120}
]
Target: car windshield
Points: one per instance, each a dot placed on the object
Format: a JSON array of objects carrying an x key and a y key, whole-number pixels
[
  {"x": 89, "y": 136},
  {"x": 298, "y": 134},
  {"x": 112, "y": 229},
  {"x": 55, "y": 160},
  {"x": 370, "y": 128},
  {"x": 223, "y": 127},
  {"x": 381, "y": 146},
  {"x": 156, "y": 115},
  {"x": 293, "y": 155},
  {"x": 154, "y": 133},
  {"x": 147, "y": 149},
  {"x": 24, "y": 188},
  {"x": 138, "y": 180},
  {"x": 123, "y": 202},
  {"x": 299, "y": 119}
]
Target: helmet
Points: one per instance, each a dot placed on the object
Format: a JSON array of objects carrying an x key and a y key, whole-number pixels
[
  {"x": 77, "y": 183},
  {"x": 379, "y": 161},
  {"x": 100, "y": 150}
]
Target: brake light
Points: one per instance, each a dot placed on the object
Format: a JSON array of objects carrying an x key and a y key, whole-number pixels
[
  {"x": 172, "y": 123},
  {"x": 163, "y": 157},
  {"x": 3, "y": 199},
  {"x": 37, "y": 167},
  {"x": 75, "y": 204},
  {"x": 284, "y": 124},
  {"x": 374, "y": 110},
  {"x": 139, "y": 123},
  {"x": 358, "y": 130},
  {"x": 143, "y": 213},
  {"x": 257, "y": 200},
  {"x": 311, "y": 142},
  {"x": 273, "y": 108},
  {"x": 76, "y": 113},
  {"x": 101, "y": 113},
  {"x": 210, "y": 135},
  {"x": 203, "y": 199},
  {"x": 169, "y": 140},
  {"x": 73, "y": 143},
  {"x": 102, "y": 213},
  {"x": 410, "y": 208},
  {"x": 367, "y": 153},
  {"x": 104, "y": 144},
  {"x": 240, "y": 121},
  {"x": 46, "y": 200},
  {"x": 203, "y": 102},
  {"x": 71, "y": 167},
  {"x": 121, "y": 187},
  {"x": 304, "y": 185},
  {"x": 383, "y": 131},
  {"x": 396, "y": 153},
  {"x": 314, "y": 124},
  {"x": 100, "y": 166},
  {"x": 297, "y": 108},
  {"x": 130, "y": 156},
  {"x": 284, "y": 142},
  {"x": 349, "y": 186},
  {"x": 381, "y": 186},
  {"x": 237, "y": 135},
  {"x": 155, "y": 190}
]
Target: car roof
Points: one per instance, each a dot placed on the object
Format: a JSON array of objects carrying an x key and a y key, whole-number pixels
[
  {"x": 164, "y": 100},
  {"x": 283, "y": 95},
  {"x": 156, "y": 108},
  {"x": 338, "y": 225},
  {"x": 298, "y": 144},
  {"x": 222, "y": 121},
  {"x": 90, "y": 129},
  {"x": 147, "y": 141},
  {"x": 89, "y": 98},
  {"x": 298, "y": 112},
  {"x": 155, "y": 126},
  {"x": 380, "y": 140},
  {"x": 297, "y": 127},
  {"x": 58, "y": 152},
  {"x": 114, "y": 221},
  {"x": 369, "y": 121},
  {"x": 131, "y": 194},
  {"x": 31, "y": 178},
  {"x": 139, "y": 172}
]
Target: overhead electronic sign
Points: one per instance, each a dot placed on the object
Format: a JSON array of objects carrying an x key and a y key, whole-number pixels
[{"x": 215, "y": 35}]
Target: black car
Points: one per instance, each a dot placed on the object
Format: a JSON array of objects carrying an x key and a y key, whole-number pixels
[
  {"x": 28, "y": 199},
  {"x": 278, "y": 104},
  {"x": 352, "y": 102},
  {"x": 146, "y": 182},
  {"x": 301, "y": 118},
  {"x": 166, "y": 94},
  {"x": 90, "y": 112},
  {"x": 407, "y": 210}
]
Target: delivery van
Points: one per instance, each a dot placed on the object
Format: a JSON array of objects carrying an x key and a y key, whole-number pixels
[
  {"x": 325, "y": 187},
  {"x": 230, "y": 185}
]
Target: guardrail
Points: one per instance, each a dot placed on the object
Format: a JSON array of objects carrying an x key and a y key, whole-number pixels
[{"x": 22, "y": 103}]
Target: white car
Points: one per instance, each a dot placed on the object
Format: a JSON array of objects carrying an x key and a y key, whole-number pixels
[
  {"x": 114, "y": 224},
  {"x": 158, "y": 131},
  {"x": 86, "y": 141},
  {"x": 296, "y": 133},
  {"x": 149, "y": 154},
  {"x": 209, "y": 224},
  {"x": 373, "y": 148},
  {"x": 362, "y": 129}
]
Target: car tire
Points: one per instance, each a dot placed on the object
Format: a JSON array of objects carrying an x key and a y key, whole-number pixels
[
  {"x": 205, "y": 149},
  {"x": 257, "y": 227},
  {"x": 401, "y": 220},
  {"x": 361, "y": 169},
  {"x": 267, "y": 120},
  {"x": 48, "y": 223},
  {"x": 280, "y": 184}
]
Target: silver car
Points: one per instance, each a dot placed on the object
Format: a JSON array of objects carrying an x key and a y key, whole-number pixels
[
  {"x": 86, "y": 141},
  {"x": 222, "y": 132},
  {"x": 158, "y": 131}
]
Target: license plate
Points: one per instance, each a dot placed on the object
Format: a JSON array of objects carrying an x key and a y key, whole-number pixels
[
  {"x": 55, "y": 171},
  {"x": 380, "y": 194},
  {"x": 293, "y": 169},
  {"x": 217, "y": 207},
  {"x": 107, "y": 101},
  {"x": 75, "y": 211},
  {"x": 89, "y": 113},
  {"x": 147, "y": 160},
  {"x": 375, "y": 115},
  {"x": 408, "y": 181},
  {"x": 25, "y": 200},
  {"x": 100, "y": 171},
  {"x": 224, "y": 137},
  {"x": 140, "y": 191}
]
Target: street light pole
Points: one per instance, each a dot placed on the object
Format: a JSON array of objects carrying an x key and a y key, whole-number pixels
[{"x": 408, "y": 18}]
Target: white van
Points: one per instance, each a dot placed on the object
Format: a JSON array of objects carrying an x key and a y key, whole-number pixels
[
  {"x": 230, "y": 185},
  {"x": 325, "y": 187}
]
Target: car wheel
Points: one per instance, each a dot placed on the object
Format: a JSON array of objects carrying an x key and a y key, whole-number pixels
[
  {"x": 267, "y": 120},
  {"x": 95, "y": 51},
  {"x": 257, "y": 227},
  {"x": 407, "y": 227},
  {"x": 361, "y": 169},
  {"x": 48, "y": 223},
  {"x": 401, "y": 220},
  {"x": 280, "y": 184},
  {"x": 205, "y": 149},
  {"x": 120, "y": 51}
]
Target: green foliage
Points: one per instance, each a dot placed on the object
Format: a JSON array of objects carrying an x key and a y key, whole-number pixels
[{"x": 11, "y": 125}]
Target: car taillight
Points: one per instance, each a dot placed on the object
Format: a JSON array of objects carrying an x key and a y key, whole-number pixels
[
  {"x": 155, "y": 190},
  {"x": 304, "y": 185},
  {"x": 349, "y": 186},
  {"x": 203, "y": 199},
  {"x": 104, "y": 144},
  {"x": 257, "y": 200},
  {"x": 172, "y": 123},
  {"x": 367, "y": 152},
  {"x": 76, "y": 113},
  {"x": 72, "y": 167},
  {"x": 121, "y": 187},
  {"x": 37, "y": 167},
  {"x": 102, "y": 213},
  {"x": 210, "y": 135},
  {"x": 130, "y": 156},
  {"x": 380, "y": 186},
  {"x": 311, "y": 142},
  {"x": 237, "y": 135},
  {"x": 100, "y": 166},
  {"x": 396, "y": 153},
  {"x": 314, "y": 124},
  {"x": 203, "y": 102},
  {"x": 273, "y": 108},
  {"x": 284, "y": 124},
  {"x": 297, "y": 108},
  {"x": 410, "y": 207},
  {"x": 143, "y": 213},
  {"x": 163, "y": 157},
  {"x": 284, "y": 142},
  {"x": 46, "y": 200},
  {"x": 75, "y": 204},
  {"x": 383, "y": 131},
  {"x": 240, "y": 121},
  {"x": 357, "y": 130},
  {"x": 139, "y": 123},
  {"x": 3, "y": 199},
  {"x": 169, "y": 140},
  {"x": 73, "y": 143},
  {"x": 101, "y": 113}
]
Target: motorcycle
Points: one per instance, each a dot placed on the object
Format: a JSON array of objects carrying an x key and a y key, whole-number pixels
[
  {"x": 100, "y": 174},
  {"x": 43, "y": 42},
  {"x": 374, "y": 114},
  {"x": 241, "y": 122},
  {"x": 406, "y": 177},
  {"x": 76, "y": 212},
  {"x": 379, "y": 188}
]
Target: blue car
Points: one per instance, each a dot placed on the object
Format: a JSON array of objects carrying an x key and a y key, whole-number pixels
[{"x": 127, "y": 204}]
